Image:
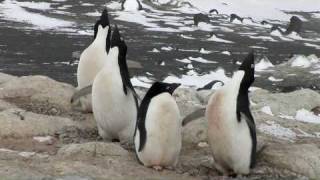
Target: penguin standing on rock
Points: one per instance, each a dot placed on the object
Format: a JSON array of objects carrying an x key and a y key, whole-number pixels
[
  {"x": 231, "y": 127},
  {"x": 158, "y": 132},
  {"x": 114, "y": 100},
  {"x": 92, "y": 60}
]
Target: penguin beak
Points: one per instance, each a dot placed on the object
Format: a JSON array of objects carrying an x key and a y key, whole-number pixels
[{"x": 173, "y": 87}]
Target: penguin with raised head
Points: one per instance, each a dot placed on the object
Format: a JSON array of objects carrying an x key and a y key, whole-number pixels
[
  {"x": 131, "y": 5},
  {"x": 231, "y": 127},
  {"x": 158, "y": 131},
  {"x": 114, "y": 100},
  {"x": 92, "y": 60}
]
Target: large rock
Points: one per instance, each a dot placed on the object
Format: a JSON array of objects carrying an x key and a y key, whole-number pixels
[
  {"x": 39, "y": 89},
  {"x": 300, "y": 158},
  {"x": 19, "y": 123}
]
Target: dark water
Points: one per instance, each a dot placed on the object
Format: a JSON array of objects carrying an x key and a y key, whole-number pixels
[{"x": 33, "y": 51}]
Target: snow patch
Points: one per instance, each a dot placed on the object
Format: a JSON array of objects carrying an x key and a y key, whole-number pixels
[
  {"x": 263, "y": 64},
  {"x": 271, "y": 78},
  {"x": 300, "y": 61},
  {"x": 141, "y": 81},
  {"x": 274, "y": 129},
  {"x": 307, "y": 116},
  {"x": 216, "y": 39},
  {"x": 42, "y": 139},
  {"x": 267, "y": 110}
]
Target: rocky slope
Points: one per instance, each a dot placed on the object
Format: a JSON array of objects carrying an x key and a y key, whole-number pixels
[{"x": 41, "y": 137}]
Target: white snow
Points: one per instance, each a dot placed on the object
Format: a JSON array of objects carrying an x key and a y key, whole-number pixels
[
  {"x": 257, "y": 47},
  {"x": 27, "y": 154},
  {"x": 185, "y": 60},
  {"x": 316, "y": 15},
  {"x": 226, "y": 53},
  {"x": 300, "y": 61},
  {"x": 312, "y": 45},
  {"x": 10, "y": 10},
  {"x": 42, "y": 139},
  {"x": 201, "y": 60},
  {"x": 263, "y": 38},
  {"x": 271, "y": 78},
  {"x": 307, "y": 116},
  {"x": 186, "y": 37},
  {"x": 168, "y": 48},
  {"x": 257, "y": 9},
  {"x": 193, "y": 79},
  {"x": 216, "y": 39},
  {"x": 155, "y": 50},
  {"x": 275, "y": 129},
  {"x": 87, "y": 4},
  {"x": 263, "y": 64},
  {"x": 190, "y": 66},
  {"x": 94, "y": 14},
  {"x": 35, "y": 5},
  {"x": 203, "y": 51},
  {"x": 162, "y": 63},
  {"x": 267, "y": 110},
  {"x": 141, "y": 81},
  {"x": 131, "y": 5}
]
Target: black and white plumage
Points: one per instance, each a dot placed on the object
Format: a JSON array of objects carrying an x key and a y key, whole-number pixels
[
  {"x": 158, "y": 131},
  {"x": 231, "y": 127},
  {"x": 92, "y": 60},
  {"x": 114, "y": 99}
]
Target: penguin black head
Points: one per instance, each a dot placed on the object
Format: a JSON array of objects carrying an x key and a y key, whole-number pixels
[
  {"x": 248, "y": 67},
  {"x": 117, "y": 41},
  {"x": 103, "y": 21},
  {"x": 161, "y": 87}
]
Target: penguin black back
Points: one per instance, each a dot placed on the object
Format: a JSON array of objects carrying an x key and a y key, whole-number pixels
[
  {"x": 243, "y": 103},
  {"x": 103, "y": 21},
  {"x": 117, "y": 41},
  {"x": 156, "y": 89}
]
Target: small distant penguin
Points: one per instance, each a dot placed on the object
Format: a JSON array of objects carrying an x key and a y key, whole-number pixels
[
  {"x": 212, "y": 11},
  {"x": 295, "y": 25},
  {"x": 131, "y": 5},
  {"x": 231, "y": 127},
  {"x": 114, "y": 100},
  {"x": 92, "y": 60},
  {"x": 158, "y": 131},
  {"x": 197, "y": 18},
  {"x": 234, "y": 17}
]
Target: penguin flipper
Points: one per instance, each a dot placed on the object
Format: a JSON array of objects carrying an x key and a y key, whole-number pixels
[
  {"x": 81, "y": 92},
  {"x": 193, "y": 116}
]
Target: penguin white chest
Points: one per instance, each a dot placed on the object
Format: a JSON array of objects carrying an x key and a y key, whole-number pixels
[
  {"x": 229, "y": 139},
  {"x": 163, "y": 133},
  {"x": 114, "y": 111},
  {"x": 91, "y": 62}
]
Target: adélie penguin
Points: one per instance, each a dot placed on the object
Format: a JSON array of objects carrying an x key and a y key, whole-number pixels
[
  {"x": 158, "y": 132},
  {"x": 91, "y": 62},
  {"x": 114, "y": 100},
  {"x": 231, "y": 127}
]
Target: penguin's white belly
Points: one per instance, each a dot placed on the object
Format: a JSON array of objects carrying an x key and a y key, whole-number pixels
[
  {"x": 115, "y": 112},
  {"x": 163, "y": 127},
  {"x": 91, "y": 62},
  {"x": 131, "y": 5},
  {"x": 229, "y": 140}
]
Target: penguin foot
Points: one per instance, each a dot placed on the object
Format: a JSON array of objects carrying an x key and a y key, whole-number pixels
[
  {"x": 157, "y": 168},
  {"x": 127, "y": 146}
]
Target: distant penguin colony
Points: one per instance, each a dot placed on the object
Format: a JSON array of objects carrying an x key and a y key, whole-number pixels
[
  {"x": 158, "y": 130},
  {"x": 154, "y": 127}
]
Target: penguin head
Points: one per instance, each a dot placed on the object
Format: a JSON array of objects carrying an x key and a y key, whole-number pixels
[
  {"x": 248, "y": 67},
  {"x": 103, "y": 21},
  {"x": 118, "y": 43},
  {"x": 161, "y": 87}
]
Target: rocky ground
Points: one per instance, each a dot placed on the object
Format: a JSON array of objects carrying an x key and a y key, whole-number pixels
[{"x": 41, "y": 137}]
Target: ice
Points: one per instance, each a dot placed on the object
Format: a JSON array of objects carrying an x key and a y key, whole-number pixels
[
  {"x": 168, "y": 48},
  {"x": 216, "y": 39},
  {"x": 203, "y": 51},
  {"x": 271, "y": 78},
  {"x": 300, "y": 61},
  {"x": 267, "y": 110},
  {"x": 307, "y": 116},
  {"x": 35, "y": 5},
  {"x": 274, "y": 129},
  {"x": 264, "y": 64},
  {"x": 193, "y": 79},
  {"x": 11, "y": 10}
]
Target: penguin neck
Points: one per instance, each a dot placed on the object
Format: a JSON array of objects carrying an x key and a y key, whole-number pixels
[
  {"x": 101, "y": 39},
  {"x": 232, "y": 88}
]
